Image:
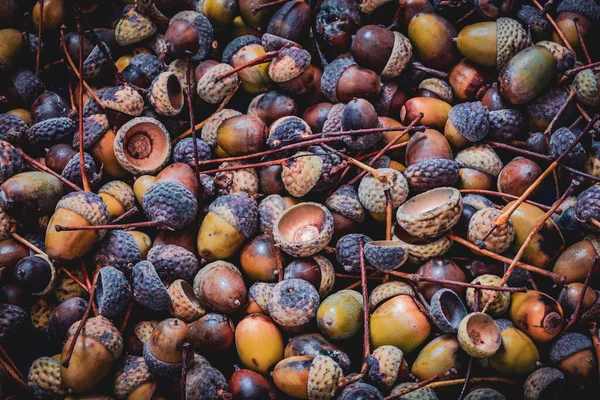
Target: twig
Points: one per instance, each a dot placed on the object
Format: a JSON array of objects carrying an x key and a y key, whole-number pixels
[
  {"x": 431, "y": 71},
  {"x": 454, "y": 382},
  {"x": 125, "y": 215},
  {"x": 365, "y": 298},
  {"x": 153, "y": 390},
  {"x": 342, "y": 383},
  {"x": 507, "y": 195},
  {"x": 133, "y": 225},
  {"x": 11, "y": 362},
  {"x": 581, "y": 41},
  {"x": 40, "y": 167},
  {"x": 426, "y": 382},
  {"x": 126, "y": 319},
  {"x": 388, "y": 215},
  {"x": 268, "y": 56},
  {"x": 27, "y": 243},
  {"x": 184, "y": 356},
  {"x": 376, "y": 174},
  {"x": 188, "y": 77},
  {"x": 279, "y": 264},
  {"x": 575, "y": 70},
  {"x": 84, "y": 179},
  {"x": 424, "y": 278},
  {"x": 467, "y": 376},
  {"x": 556, "y": 28},
  {"x": 562, "y": 108},
  {"x": 38, "y": 52},
  {"x": 586, "y": 284},
  {"x": 13, "y": 373}
]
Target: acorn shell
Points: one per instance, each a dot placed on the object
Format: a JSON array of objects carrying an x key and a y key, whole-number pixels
[
  {"x": 447, "y": 310},
  {"x": 202, "y": 26},
  {"x": 348, "y": 251},
  {"x": 113, "y": 292},
  {"x": 482, "y": 222},
  {"x": 302, "y": 173},
  {"x": 543, "y": 383},
  {"x": 123, "y": 99},
  {"x": 585, "y": 85},
  {"x": 332, "y": 74},
  {"x": 131, "y": 376},
  {"x": 148, "y": 289},
  {"x": 567, "y": 344},
  {"x": 371, "y": 191},
  {"x": 211, "y": 127},
  {"x": 214, "y": 91},
  {"x": 290, "y": 63},
  {"x": 170, "y": 203},
  {"x": 429, "y": 174},
  {"x": 496, "y": 302},
  {"x": 88, "y": 205},
  {"x": 401, "y": 55},
  {"x": 293, "y": 304},
  {"x": 387, "y": 290},
  {"x": 480, "y": 157},
  {"x": 386, "y": 255},
  {"x": 239, "y": 210},
  {"x": 565, "y": 60},
  {"x": 587, "y": 8},
  {"x": 560, "y": 141},
  {"x": 261, "y": 293},
  {"x": 166, "y": 94},
  {"x": 287, "y": 130},
  {"x": 333, "y": 123},
  {"x": 479, "y": 335},
  {"x": 384, "y": 365},
  {"x": 151, "y": 159},
  {"x": 239, "y": 180},
  {"x": 43, "y": 379},
  {"x": 269, "y": 210},
  {"x": 470, "y": 120},
  {"x": 184, "y": 304},
  {"x": 173, "y": 262},
  {"x": 11, "y": 161},
  {"x": 134, "y": 27}
]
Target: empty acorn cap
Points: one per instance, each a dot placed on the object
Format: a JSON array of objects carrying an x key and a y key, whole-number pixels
[
  {"x": 431, "y": 213},
  {"x": 511, "y": 38},
  {"x": 480, "y": 157},
  {"x": 134, "y": 27},
  {"x": 438, "y": 86},
  {"x": 239, "y": 210},
  {"x": 386, "y": 255},
  {"x": 113, "y": 292},
  {"x": 388, "y": 290},
  {"x": 184, "y": 304},
  {"x": 345, "y": 201},
  {"x": 261, "y": 293},
  {"x": 166, "y": 94},
  {"x": 327, "y": 275},
  {"x": 302, "y": 173},
  {"x": 132, "y": 375},
  {"x": 89, "y": 205},
  {"x": 479, "y": 335},
  {"x": 142, "y": 146},
  {"x": 447, "y": 310},
  {"x": 544, "y": 383},
  {"x": 148, "y": 289},
  {"x": 293, "y": 304},
  {"x": 43, "y": 379},
  {"x": 384, "y": 365},
  {"x": 103, "y": 331},
  {"x": 120, "y": 191},
  {"x": 568, "y": 344},
  {"x": 214, "y": 91},
  {"x": 323, "y": 377},
  {"x": 304, "y": 229},
  {"x": 371, "y": 191},
  {"x": 143, "y": 330}
]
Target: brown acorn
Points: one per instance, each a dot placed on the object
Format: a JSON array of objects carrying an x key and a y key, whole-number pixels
[
  {"x": 291, "y": 70},
  {"x": 588, "y": 14},
  {"x": 344, "y": 80},
  {"x": 272, "y": 105},
  {"x": 219, "y": 285},
  {"x": 381, "y": 50},
  {"x": 213, "y": 333},
  {"x": 573, "y": 354},
  {"x": 289, "y": 25},
  {"x": 466, "y": 80},
  {"x": 305, "y": 377},
  {"x": 163, "y": 350},
  {"x": 442, "y": 269},
  {"x": 133, "y": 379},
  {"x": 536, "y": 314},
  {"x": 439, "y": 355},
  {"x": 254, "y": 79},
  {"x": 371, "y": 191},
  {"x": 30, "y": 194},
  {"x": 121, "y": 104},
  {"x": 467, "y": 123},
  {"x": 435, "y": 111},
  {"x": 213, "y": 123},
  {"x": 518, "y": 175},
  {"x": 247, "y": 384},
  {"x": 432, "y": 38},
  {"x": 313, "y": 344}
]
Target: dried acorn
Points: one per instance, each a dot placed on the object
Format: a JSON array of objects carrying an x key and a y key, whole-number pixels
[
  {"x": 293, "y": 304},
  {"x": 148, "y": 289},
  {"x": 219, "y": 286},
  {"x": 305, "y": 377},
  {"x": 344, "y": 80},
  {"x": 163, "y": 351},
  {"x": 133, "y": 379},
  {"x": 173, "y": 262},
  {"x": 544, "y": 383},
  {"x": 573, "y": 355}
]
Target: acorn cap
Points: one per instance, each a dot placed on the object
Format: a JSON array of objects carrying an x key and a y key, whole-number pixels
[
  {"x": 480, "y": 157},
  {"x": 184, "y": 151},
  {"x": 506, "y": 124},
  {"x": 293, "y": 304},
  {"x": 261, "y": 293},
  {"x": 7, "y": 225},
  {"x": 132, "y": 375},
  {"x": 210, "y": 128},
  {"x": 587, "y": 209},
  {"x": 51, "y": 131},
  {"x": 28, "y": 85},
  {"x": 425, "y": 393},
  {"x": 387, "y": 290},
  {"x": 12, "y": 321},
  {"x": 497, "y": 302},
  {"x": 560, "y": 141},
  {"x": 113, "y": 292},
  {"x": 568, "y": 344},
  {"x": 333, "y": 123},
  {"x": 327, "y": 275},
  {"x": 290, "y": 63},
  {"x": 88, "y": 205},
  {"x": 301, "y": 174},
  {"x": 91, "y": 107},
  {"x": 323, "y": 377},
  {"x": 585, "y": 84},
  {"x": 273, "y": 42},
  {"x": 287, "y": 130},
  {"x": 143, "y": 330},
  {"x": 66, "y": 288},
  {"x": 148, "y": 289},
  {"x": 384, "y": 365},
  {"x": 432, "y": 173},
  {"x": 11, "y": 161},
  {"x": 544, "y": 383},
  {"x": 159, "y": 367},
  {"x": 40, "y": 314},
  {"x": 118, "y": 249},
  {"x": 386, "y": 255},
  {"x": 345, "y": 201},
  {"x": 149, "y": 65},
  {"x": 532, "y": 17},
  {"x": 134, "y": 27},
  {"x": 103, "y": 331},
  {"x": 332, "y": 74},
  {"x": 471, "y": 120},
  {"x": 477, "y": 201},
  {"x": 173, "y": 262},
  {"x": 480, "y": 225},
  {"x": 120, "y": 191},
  {"x": 236, "y": 45},
  {"x": 43, "y": 379},
  {"x": 206, "y": 382},
  {"x": 72, "y": 170},
  {"x": 203, "y": 27},
  {"x": 184, "y": 304},
  {"x": 587, "y": 8},
  {"x": 348, "y": 252},
  {"x": 123, "y": 99},
  {"x": 214, "y": 91},
  {"x": 239, "y": 180},
  {"x": 166, "y": 94},
  {"x": 171, "y": 203},
  {"x": 94, "y": 127},
  {"x": 399, "y": 58},
  {"x": 485, "y": 394},
  {"x": 565, "y": 60},
  {"x": 371, "y": 191},
  {"x": 53, "y": 277},
  {"x": 511, "y": 38},
  {"x": 239, "y": 210},
  {"x": 420, "y": 253},
  {"x": 12, "y": 128},
  {"x": 438, "y": 86},
  {"x": 303, "y": 229},
  {"x": 447, "y": 310},
  {"x": 479, "y": 335},
  {"x": 269, "y": 210},
  {"x": 368, "y": 6}
]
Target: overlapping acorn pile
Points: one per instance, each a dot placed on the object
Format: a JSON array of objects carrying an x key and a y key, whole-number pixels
[{"x": 332, "y": 199}]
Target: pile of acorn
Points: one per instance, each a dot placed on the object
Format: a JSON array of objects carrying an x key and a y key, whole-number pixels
[{"x": 320, "y": 199}]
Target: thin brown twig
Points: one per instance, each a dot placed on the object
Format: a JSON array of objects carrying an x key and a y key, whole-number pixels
[
  {"x": 279, "y": 264},
  {"x": 376, "y": 174},
  {"x": 388, "y": 215},
  {"x": 467, "y": 376},
  {"x": 153, "y": 390},
  {"x": 40, "y": 167},
  {"x": 84, "y": 178},
  {"x": 27, "y": 243},
  {"x": 581, "y": 41},
  {"x": 132, "y": 211},
  {"x": 562, "y": 108},
  {"x": 133, "y": 225},
  {"x": 556, "y": 28},
  {"x": 267, "y": 5},
  {"x": 575, "y": 70},
  {"x": 454, "y": 382},
  {"x": 424, "y": 278},
  {"x": 74, "y": 278},
  {"x": 126, "y": 319},
  {"x": 38, "y": 52},
  {"x": 431, "y": 71},
  {"x": 13, "y": 373},
  {"x": 188, "y": 91},
  {"x": 586, "y": 284},
  {"x": 11, "y": 362},
  {"x": 365, "y": 299},
  {"x": 507, "y": 195},
  {"x": 424, "y": 383}
]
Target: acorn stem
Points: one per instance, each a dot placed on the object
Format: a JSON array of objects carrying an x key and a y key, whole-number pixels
[
  {"x": 279, "y": 161},
  {"x": 27, "y": 243},
  {"x": 424, "y": 278},
  {"x": 581, "y": 41},
  {"x": 86, "y": 314},
  {"x": 431, "y": 71},
  {"x": 388, "y": 146},
  {"x": 40, "y": 167},
  {"x": 586, "y": 284},
  {"x": 559, "y": 279},
  {"x": 184, "y": 358},
  {"x": 564, "y": 106},
  {"x": 74, "y": 278},
  {"x": 463, "y": 19},
  {"x": 267, "y": 5},
  {"x": 53, "y": 64},
  {"x": 376, "y": 174},
  {"x": 127, "y": 214},
  {"x": 388, "y": 215},
  {"x": 556, "y": 28},
  {"x": 13, "y": 372},
  {"x": 468, "y": 374},
  {"x": 538, "y": 226},
  {"x": 38, "y": 52},
  {"x": 365, "y": 299},
  {"x": 268, "y": 56},
  {"x": 126, "y": 319},
  {"x": 350, "y": 276},
  {"x": 419, "y": 385},
  {"x": 396, "y": 18},
  {"x": 454, "y": 382},
  {"x": 84, "y": 179},
  {"x": 133, "y": 225},
  {"x": 510, "y": 196},
  {"x": 188, "y": 92}
]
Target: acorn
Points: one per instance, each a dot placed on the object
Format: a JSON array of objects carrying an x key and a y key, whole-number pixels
[
  {"x": 532, "y": 18},
  {"x": 118, "y": 249},
  {"x": 493, "y": 43},
  {"x": 479, "y": 335},
  {"x": 205, "y": 381},
  {"x": 64, "y": 315},
  {"x": 467, "y": 123},
  {"x": 141, "y": 333},
  {"x": 12, "y": 129},
  {"x": 443, "y": 211},
  {"x": 134, "y": 27},
  {"x": 96, "y": 66},
  {"x": 291, "y": 70},
  {"x": 536, "y": 253},
  {"x": 518, "y": 355},
  {"x": 302, "y": 173},
  {"x": 246, "y": 384},
  {"x": 588, "y": 14},
  {"x": 96, "y": 349},
  {"x": 287, "y": 130},
  {"x": 258, "y": 298},
  {"x": 359, "y": 390},
  {"x": 527, "y": 74},
  {"x": 386, "y": 366},
  {"x": 213, "y": 333},
  {"x": 447, "y": 310},
  {"x": 166, "y": 94},
  {"x": 242, "y": 134},
  {"x": 427, "y": 145},
  {"x": 118, "y": 197},
  {"x": 344, "y": 80},
  {"x": 12, "y": 322},
  {"x": 424, "y": 393},
  {"x": 518, "y": 175},
  {"x": 305, "y": 377},
  {"x": 346, "y": 209},
  {"x": 585, "y": 85},
  {"x": 220, "y": 14},
  {"x": 371, "y": 191},
  {"x": 219, "y": 286},
  {"x": 421, "y": 250},
  {"x": 113, "y": 292},
  {"x": 304, "y": 229},
  {"x": 163, "y": 350},
  {"x": 348, "y": 251},
  {"x": 258, "y": 343},
  {"x": 289, "y": 25},
  {"x": 536, "y": 314},
  {"x": 210, "y": 89},
  {"x": 293, "y": 304},
  {"x": 485, "y": 393},
  {"x": 43, "y": 379},
  {"x": 273, "y": 105},
  {"x": 570, "y": 295},
  {"x": 439, "y": 355},
  {"x": 389, "y": 324},
  {"x": 313, "y": 344},
  {"x": 121, "y": 104},
  {"x": 437, "y": 88},
  {"x": 495, "y": 302},
  {"x": 239, "y": 180},
  {"x": 432, "y": 38},
  {"x": 482, "y": 222},
  {"x": 255, "y": 79},
  {"x": 544, "y": 383},
  {"x": 133, "y": 379},
  {"x": 148, "y": 289},
  {"x": 545, "y": 107},
  {"x": 66, "y": 288},
  {"x": 442, "y": 269},
  {"x": 435, "y": 111},
  {"x": 36, "y": 274},
  {"x": 142, "y": 146},
  {"x": 565, "y": 60},
  {"x": 340, "y": 315},
  {"x": 573, "y": 354},
  {"x": 466, "y": 80},
  {"x": 173, "y": 262},
  {"x": 258, "y": 258},
  {"x": 432, "y": 173},
  {"x": 183, "y": 152},
  {"x": 270, "y": 209},
  {"x": 317, "y": 270},
  {"x": 72, "y": 170},
  {"x": 360, "y": 114},
  {"x": 213, "y": 123},
  {"x": 51, "y": 131},
  {"x": 189, "y": 32},
  {"x": 14, "y": 46},
  {"x": 335, "y": 23},
  {"x": 386, "y": 255},
  {"x": 387, "y": 290},
  {"x": 183, "y": 303},
  {"x": 75, "y": 209},
  {"x": 560, "y": 141},
  {"x": 142, "y": 69}
]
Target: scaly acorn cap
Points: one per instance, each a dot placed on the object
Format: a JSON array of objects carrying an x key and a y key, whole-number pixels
[
  {"x": 184, "y": 304},
  {"x": 143, "y": 329},
  {"x": 53, "y": 277},
  {"x": 51, "y": 131},
  {"x": 287, "y": 130},
  {"x": 368, "y": 6},
  {"x": 331, "y": 75},
  {"x": 347, "y": 251},
  {"x": 239, "y": 180},
  {"x": 585, "y": 85},
  {"x": 565, "y": 60},
  {"x": 113, "y": 292},
  {"x": 438, "y": 86},
  {"x": 327, "y": 275},
  {"x": 511, "y": 38},
  {"x": 43, "y": 379},
  {"x": 148, "y": 289},
  {"x": 12, "y": 321},
  {"x": 425, "y": 393},
  {"x": 546, "y": 106},
  {"x": 162, "y": 94},
  {"x": 236, "y": 45},
  {"x": 171, "y": 203},
  {"x": 290, "y": 63},
  {"x": 323, "y": 377},
  {"x": 302, "y": 173},
  {"x": 124, "y": 99},
  {"x": 148, "y": 64},
  {"x": 88, "y": 205},
  {"x": 118, "y": 249},
  {"x": 432, "y": 173},
  {"x": 261, "y": 293},
  {"x": 214, "y": 91},
  {"x": 482, "y": 222},
  {"x": 72, "y": 170},
  {"x": 40, "y": 314},
  {"x": 94, "y": 127},
  {"x": 560, "y": 141},
  {"x": 203, "y": 27},
  {"x": 471, "y": 120},
  {"x": 400, "y": 57},
  {"x": 132, "y": 375},
  {"x": 333, "y": 123},
  {"x": 384, "y": 365},
  {"x": 388, "y": 290},
  {"x": 7, "y": 224},
  {"x": 239, "y": 210},
  {"x": 120, "y": 191},
  {"x": 211, "y": 127},
  {"x": 542, "y": 382},
  {"x": 568, "y": 344},
  {"x": 173, "y": 262},
  {"x": 345, "y": 201},
  {"x": 506, "y": 124},
  {"x": 371, "y": 191},
  {"x": 481, "y": 157},
  {"x": 134, "y": 27},
  {"x": 269, "y": 211},
  {"x": 587, "y": 8},
  {"x": 12, "y": 128},
  {"x": 103, "y": 331},
  {"x": 11, "y": 161},
  {"x": 293, "y": 304}
]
